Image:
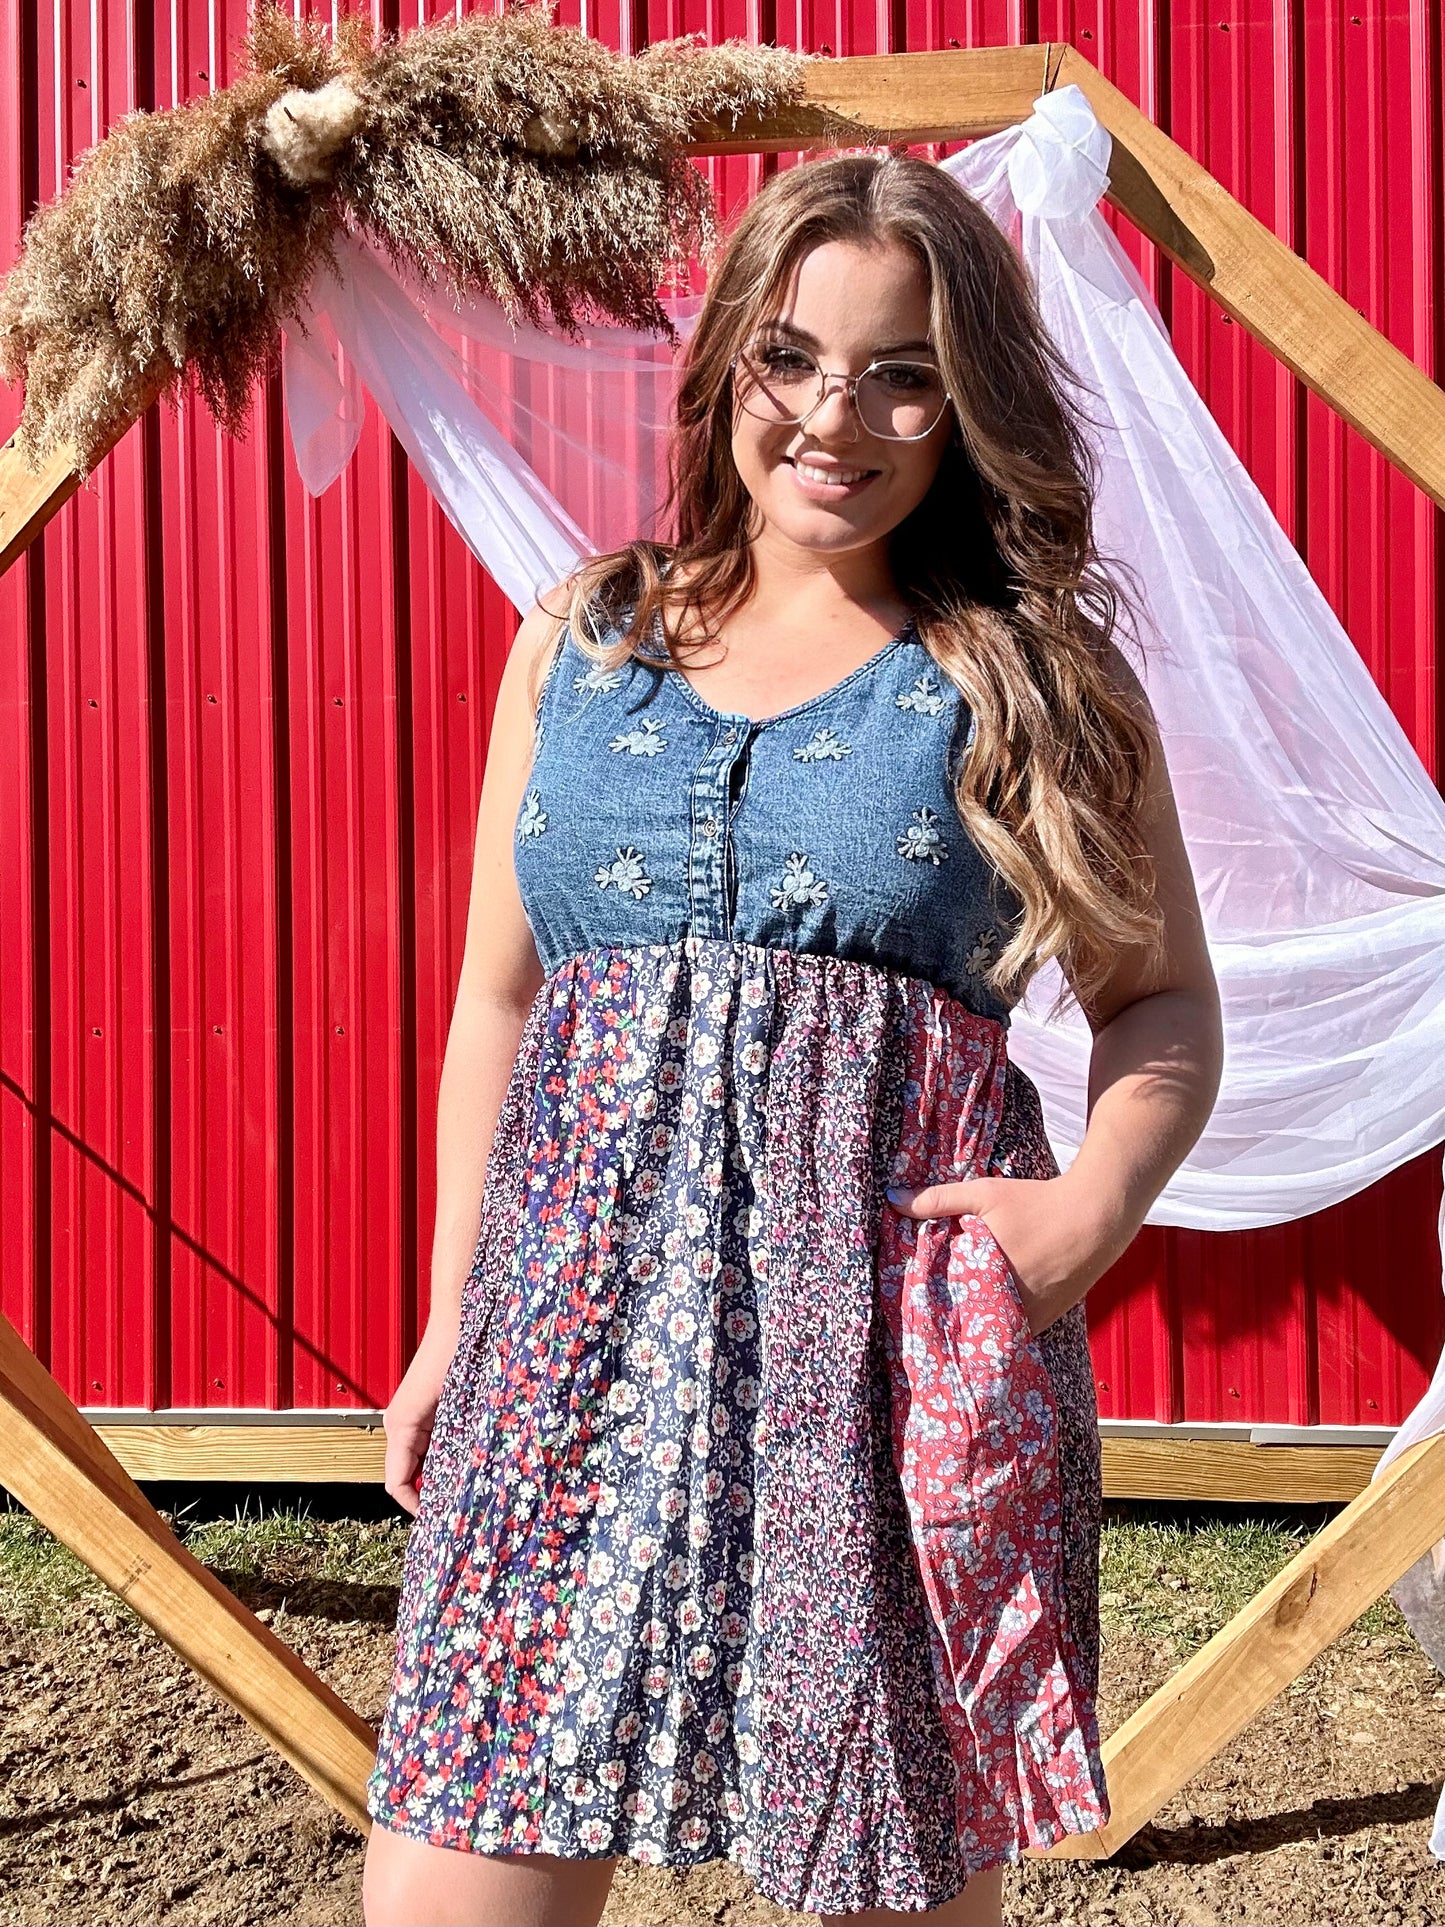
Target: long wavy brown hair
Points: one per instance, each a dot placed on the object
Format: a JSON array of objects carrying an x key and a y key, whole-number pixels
[{"x": 997, "y": 564}]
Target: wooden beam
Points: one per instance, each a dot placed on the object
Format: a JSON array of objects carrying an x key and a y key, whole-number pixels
[
  {"x": 1223, "y": 1471},
  {"x": 29, "y": 497},
  {"x": 1267, "y": 288},
  {"x": 880, "y": 100},
  {"x": 918, "y": 98},
  {"x": 1229, "y": 1471},
  {"x": 289, "y": 1454},
  {"x": 1167, "y": 195},
  {"x": 57, "y": 1467},
  {"x": 1214, "y": 1695}
]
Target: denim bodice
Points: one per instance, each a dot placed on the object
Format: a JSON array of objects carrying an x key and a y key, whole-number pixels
[{"x": 829, "y": 828}]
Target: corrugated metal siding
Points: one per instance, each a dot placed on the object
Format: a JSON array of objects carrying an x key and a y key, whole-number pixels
[{"x": 242, "y": 736}]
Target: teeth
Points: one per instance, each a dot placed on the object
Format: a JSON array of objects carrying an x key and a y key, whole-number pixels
[{"x": 811, "y": 474}]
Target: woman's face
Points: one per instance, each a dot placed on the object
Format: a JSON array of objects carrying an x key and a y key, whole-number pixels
[{"x": 830, "y": 485}]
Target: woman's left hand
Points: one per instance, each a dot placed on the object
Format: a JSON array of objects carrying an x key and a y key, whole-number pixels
[{"x": 1057, "y": 1241}]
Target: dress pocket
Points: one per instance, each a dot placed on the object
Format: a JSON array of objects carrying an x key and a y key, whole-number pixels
[{"x": 999, "y": 1271}]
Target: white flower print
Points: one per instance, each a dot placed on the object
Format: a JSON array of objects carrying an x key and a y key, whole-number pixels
[
  {"x": 693, "y": 1831},
  {"x": 628, "y": 873},
  {"x": 645, "y": 740},
  {"x": 594, "y": 1834},
  {"x": 533, "y": 819},
  {"x": 799, "y": 885},
  {"x": 597, "y": 679},
  {"x": 689, "y": 1616},
  {"x": 926, "y": 696},
  {"x": 824, "y": 745},
  {"x": 922, "y": 841}
]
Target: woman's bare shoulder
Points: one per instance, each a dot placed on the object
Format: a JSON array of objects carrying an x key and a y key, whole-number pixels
[{"x": 539, "y": 636}]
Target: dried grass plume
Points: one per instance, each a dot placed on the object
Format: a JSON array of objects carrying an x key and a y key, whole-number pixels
[{"x": 498, "y": 153}]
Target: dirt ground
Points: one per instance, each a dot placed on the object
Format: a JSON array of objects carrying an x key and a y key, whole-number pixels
[{"x": 130, "y": 1794}]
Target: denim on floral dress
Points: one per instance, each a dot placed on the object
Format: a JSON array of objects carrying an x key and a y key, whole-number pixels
[{"x": 755, "y": 1522}]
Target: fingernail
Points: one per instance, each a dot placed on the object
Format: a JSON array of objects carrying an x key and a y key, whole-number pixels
[{"x": 897, "y": 1194}]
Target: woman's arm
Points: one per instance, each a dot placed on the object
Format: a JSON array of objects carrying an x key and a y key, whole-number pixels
[
  {"x": 1153, "y": 1077},
  {"x": 500, "y": 976}
]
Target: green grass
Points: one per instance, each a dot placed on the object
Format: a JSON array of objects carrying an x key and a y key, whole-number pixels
[
  {"x": 1159, "y": 1580},
  {"x": 1185, "y": 1581},
  {"x": 260, "y": 1545}
]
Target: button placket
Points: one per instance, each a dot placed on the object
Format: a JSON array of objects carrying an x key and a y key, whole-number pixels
[{"x": 707, "y": 848}]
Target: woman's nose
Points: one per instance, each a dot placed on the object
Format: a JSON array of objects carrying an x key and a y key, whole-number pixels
[{"x": 835, "y": 415}]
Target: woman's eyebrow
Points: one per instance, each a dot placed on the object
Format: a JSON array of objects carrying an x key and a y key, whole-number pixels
[{"x": 801, "y": 335}]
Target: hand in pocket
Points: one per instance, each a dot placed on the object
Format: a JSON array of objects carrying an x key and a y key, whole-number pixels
[{"x": 1050, "y": 1239}]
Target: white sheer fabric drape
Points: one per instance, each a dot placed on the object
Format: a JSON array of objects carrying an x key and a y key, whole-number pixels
[{"x": 1315, "y": 833}]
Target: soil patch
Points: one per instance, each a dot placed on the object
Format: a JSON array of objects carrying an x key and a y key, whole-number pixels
[{"x": 129, "y": 1793}]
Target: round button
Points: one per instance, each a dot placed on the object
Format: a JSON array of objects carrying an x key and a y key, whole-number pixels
[
  {"x": 707, "y": 826},
  {"x": 730, "y": 734}
]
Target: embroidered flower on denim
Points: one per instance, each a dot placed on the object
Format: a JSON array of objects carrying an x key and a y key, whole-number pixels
[
  {"x": 926, "y": 696},
  {"x": 646, "y": 740},
  {"x": 628, "y": 873},
  {"x": 596, "y": 678},
  {"x": 824, "y": 745},
  {"x": 979, "y": 958},
  {"x": 533, "y": 819},
  {"x": 922, "y": 841},
  {"x": 799, "y": 885}
]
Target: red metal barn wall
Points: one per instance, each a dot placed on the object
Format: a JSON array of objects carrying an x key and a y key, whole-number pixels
[{"x": 242, "y": 734}]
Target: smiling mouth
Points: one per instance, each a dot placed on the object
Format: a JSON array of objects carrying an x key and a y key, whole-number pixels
[{"x": 828, "y": 477}]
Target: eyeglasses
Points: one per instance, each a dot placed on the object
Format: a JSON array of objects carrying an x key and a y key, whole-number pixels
[{"x": 901, "y": 401}]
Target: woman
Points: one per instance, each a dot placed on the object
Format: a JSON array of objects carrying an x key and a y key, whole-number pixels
[{"x": 760, "y": 1505}]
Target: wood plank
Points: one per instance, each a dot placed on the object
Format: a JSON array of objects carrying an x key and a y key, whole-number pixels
[
  {"x": 29, "y": 497},
  {"x": 1268, "y": 288},
  {"x": 1232, "y": 1470},
  {"x": 873, "y": 100},
  {"x": 1217, "y": 1692},
  {"x": 1224, "y": 1471},
  {"x": 57, "y": 1467},
  {"x": 291, "y": 1454},
  {"x": 955, "y": 95},
  {"x": 1178, "y": 204}
]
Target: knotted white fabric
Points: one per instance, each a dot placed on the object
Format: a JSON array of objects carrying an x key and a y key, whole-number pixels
[{"x": 1316, "y": 836}]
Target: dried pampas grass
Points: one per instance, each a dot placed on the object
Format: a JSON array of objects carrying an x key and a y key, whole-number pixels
[{"x": 497, "y": 153}]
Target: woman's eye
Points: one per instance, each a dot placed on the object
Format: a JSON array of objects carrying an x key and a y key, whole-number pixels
[
  {"x": 904, "y": 377},
  {"x": 783, "y": 361}
]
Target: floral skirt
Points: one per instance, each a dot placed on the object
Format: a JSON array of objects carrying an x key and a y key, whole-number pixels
[{"x": 755, "y": 1523}]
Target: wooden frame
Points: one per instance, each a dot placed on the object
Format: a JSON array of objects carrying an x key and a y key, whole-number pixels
[
  {"x": 58, "y": 1466},
  {"x": 250, "y": 1451}
]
